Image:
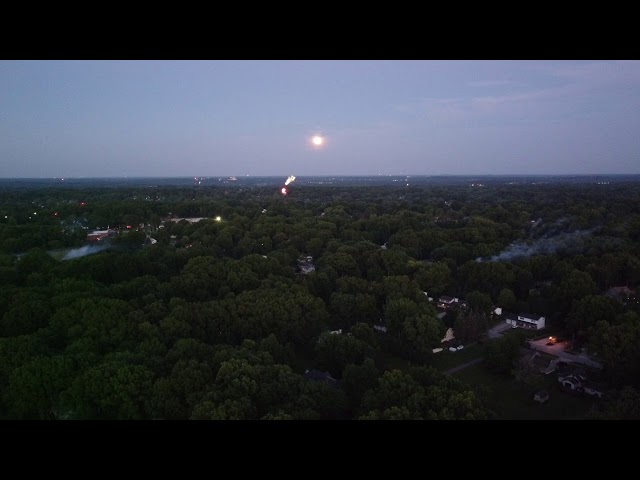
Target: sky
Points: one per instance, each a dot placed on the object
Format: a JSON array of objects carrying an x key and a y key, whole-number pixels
[{"x": 222, "y": 118}]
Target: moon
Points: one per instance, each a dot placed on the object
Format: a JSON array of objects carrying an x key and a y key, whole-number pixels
[{"x": 317, "y": 141}]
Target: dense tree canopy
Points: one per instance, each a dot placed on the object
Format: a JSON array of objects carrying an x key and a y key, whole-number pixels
[{"x": 204, "y": 305}]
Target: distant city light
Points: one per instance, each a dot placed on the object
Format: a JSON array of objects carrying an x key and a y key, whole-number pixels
[{"x": 218, "y": 219}]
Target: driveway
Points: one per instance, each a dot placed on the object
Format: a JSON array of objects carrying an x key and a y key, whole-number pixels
[
  {"x": 559, "y": 351},
  {"x": 497, "y": 331}
]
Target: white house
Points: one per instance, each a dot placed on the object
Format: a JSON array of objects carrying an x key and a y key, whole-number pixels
[{"x": 526, "y": 320}]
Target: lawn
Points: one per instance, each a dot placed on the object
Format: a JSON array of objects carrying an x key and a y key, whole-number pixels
[
  {"x": 512, "y": 401},
  {"x": 445, "y": 360}
]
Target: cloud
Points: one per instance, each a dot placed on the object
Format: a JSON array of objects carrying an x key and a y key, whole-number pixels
[{"x": 556, "y": 91}]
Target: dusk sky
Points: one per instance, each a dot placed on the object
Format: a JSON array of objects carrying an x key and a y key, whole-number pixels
[{"x": 215, "y": 118}]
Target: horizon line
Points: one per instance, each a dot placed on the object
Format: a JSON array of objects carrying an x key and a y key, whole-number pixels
[{"x": 62, "y": 178}]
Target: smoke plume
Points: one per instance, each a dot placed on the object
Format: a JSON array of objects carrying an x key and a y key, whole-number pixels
[
  {"x": 545, "y": 245},
  {"x": 83, "y": 251}
]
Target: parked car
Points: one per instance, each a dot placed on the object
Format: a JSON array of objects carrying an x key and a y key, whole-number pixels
[
  {"x": 453, "y": 349},
  {"x": 460, "y": 347}
]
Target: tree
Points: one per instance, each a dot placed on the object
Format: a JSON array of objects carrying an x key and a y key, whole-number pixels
[
  {"x": 575, "y": 286},
  {"x": 35, "y": 387},
  {"x": 110, "y": 390},
  {"x": 625, "y": 405},
  {"x": 479, "y": 302},
  {"x": 501, "y": 354},
  {"x": 335, "y": 352},
  {"x": 434, "y": 278},
  {"x": 419, "y": 335},
  {"x": 28, "y": 311},
  {"x": 364, "y": 332},
  {"x": 590, "y": 309},
  {"x": 506, "y": 299},
  {"x": 469, "y": 327},
  {"x": 396, "y": 311},
  {"x": 357, "y": 379},
  {"x": 526, "y": 373}
]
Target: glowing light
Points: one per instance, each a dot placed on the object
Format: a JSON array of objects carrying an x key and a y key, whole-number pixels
[
  {"x": 289, "y": 180},
  {"x": 317, "y": 140},
  {"x": 218, "y": 219},
  {"x": 283, "y": 190}
]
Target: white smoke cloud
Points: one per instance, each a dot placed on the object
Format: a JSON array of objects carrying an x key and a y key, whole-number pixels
[
  {"x": 546, "y": 245},
  {"x": 83, "y": 251}
]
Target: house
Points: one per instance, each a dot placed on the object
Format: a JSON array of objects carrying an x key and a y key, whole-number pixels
[
  {"x": 336, "y": 332},
  {"x": 99, "y": 235},
  {"x": 447, "y": 302},
  {"x": 621, "y": 294},
  {"x": 541, "y": 396},
  {"x": 616, "y": 292},
  {"x": 570, "y": 382},
  {"x": 526, "y": 320},
  {"x": 544, "y": 364},
  {"x": 305, "y": 265},
  {"x": 380, "y": 327},
  {"x": 318, "y": 376},
  {"x": 578, "y": 383},
  {"x": 179, "y": 219}
]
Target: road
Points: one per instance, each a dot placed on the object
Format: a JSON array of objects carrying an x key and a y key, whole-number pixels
[{"x": 464, "y": 365}]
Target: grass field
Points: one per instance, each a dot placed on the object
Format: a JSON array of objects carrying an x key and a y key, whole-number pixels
[
  {"x": 445, "y": 360},
  {"x": 512, "y": 401}
]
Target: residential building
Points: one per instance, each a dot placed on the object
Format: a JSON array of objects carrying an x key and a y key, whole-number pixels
[
  {"x": 447, "y": 302},
  {"x": 526, "y": 320},
  {"x": 544, "y": 364},
  {"x": 99, "y": 235},
  {"x": 318, "y": 376}
]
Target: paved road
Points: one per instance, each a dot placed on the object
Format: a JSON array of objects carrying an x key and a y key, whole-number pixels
[{"x": 464, "y": 365}]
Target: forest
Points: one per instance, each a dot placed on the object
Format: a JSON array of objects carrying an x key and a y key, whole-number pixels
[{"x": 234, "y": 302}]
